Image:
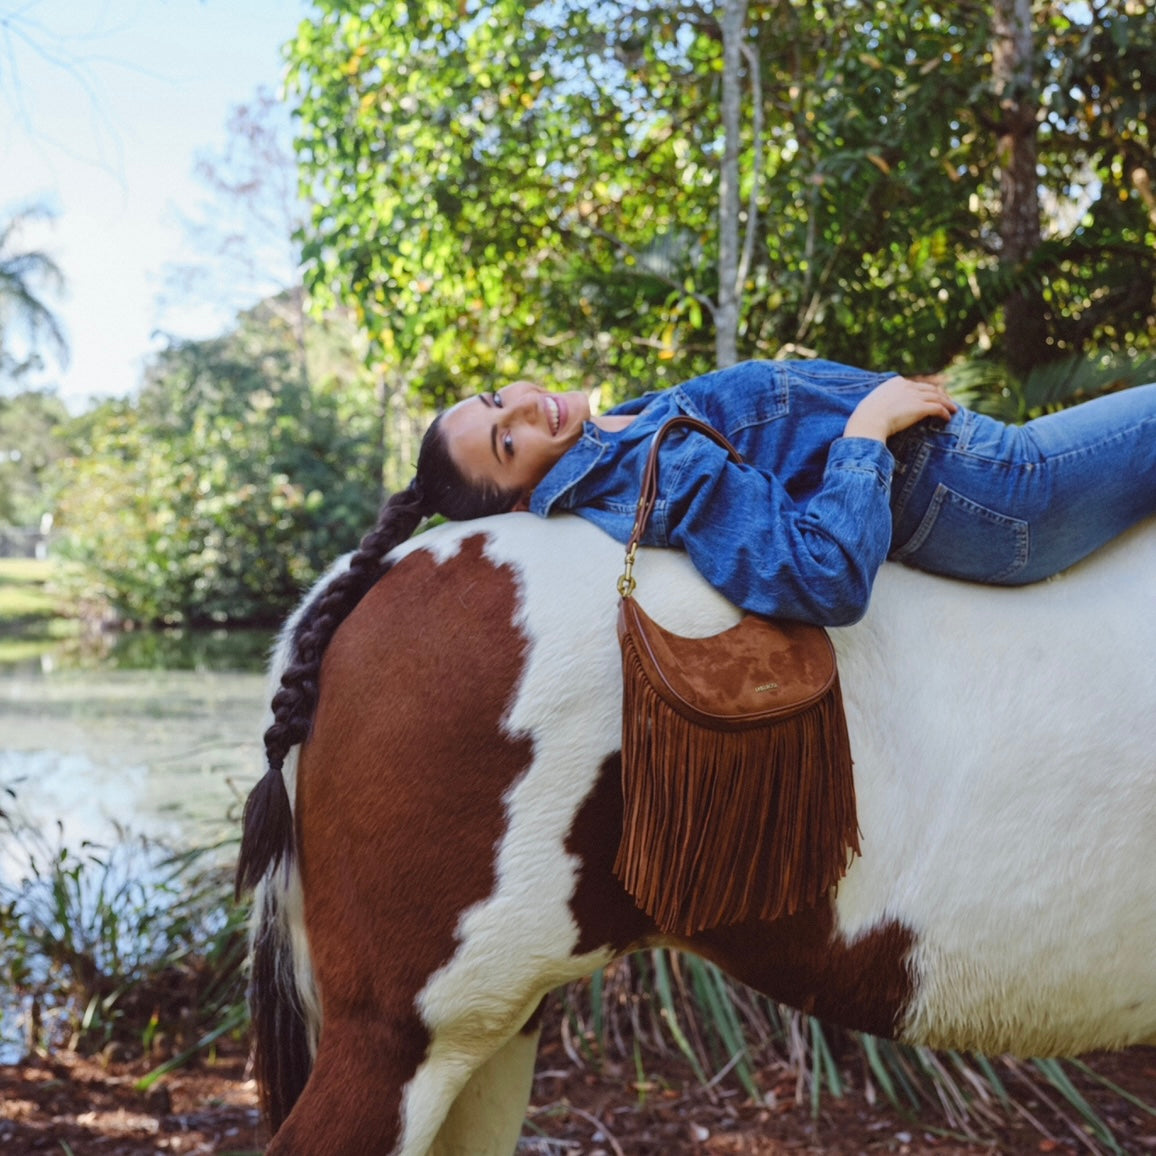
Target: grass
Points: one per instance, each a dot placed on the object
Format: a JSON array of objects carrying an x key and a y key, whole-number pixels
[
  {"x": 32, "y": 614},
  {"x": 128, "y": 943},
  {"x": 24, "y": 592}
]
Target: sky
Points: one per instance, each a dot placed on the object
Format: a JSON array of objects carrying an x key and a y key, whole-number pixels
[{"x": 104, "y": 107}]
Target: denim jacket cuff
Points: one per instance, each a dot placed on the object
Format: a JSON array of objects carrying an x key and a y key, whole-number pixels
[{"x": 864, "y": 455}]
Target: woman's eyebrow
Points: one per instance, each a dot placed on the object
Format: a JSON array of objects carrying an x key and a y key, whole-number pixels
[{"x": 488, "y": 401}]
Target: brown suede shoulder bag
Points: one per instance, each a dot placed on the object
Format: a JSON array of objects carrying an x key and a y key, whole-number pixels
[{"x": 739, "y": 799}]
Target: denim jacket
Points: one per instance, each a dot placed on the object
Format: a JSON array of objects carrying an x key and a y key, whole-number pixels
[{"x": 798, "y": 530}]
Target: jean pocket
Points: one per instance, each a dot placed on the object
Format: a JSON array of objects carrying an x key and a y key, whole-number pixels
[{"x": 962, "y": 539}]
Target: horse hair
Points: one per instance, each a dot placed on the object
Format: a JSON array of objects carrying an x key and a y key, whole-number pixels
[
  {"x": 438, "y": 487},
  {"x": 282, "y": 1061}
]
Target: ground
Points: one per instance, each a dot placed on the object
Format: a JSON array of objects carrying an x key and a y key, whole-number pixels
[{"x": 85, "y": 1107}]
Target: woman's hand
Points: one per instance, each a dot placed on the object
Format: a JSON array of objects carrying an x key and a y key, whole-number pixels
[{"x": 897, "y": 404}]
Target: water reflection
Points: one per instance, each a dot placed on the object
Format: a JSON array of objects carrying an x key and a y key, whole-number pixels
[
  {"x": 213, "y": 650},
  {"x": 159, "y": 735}
]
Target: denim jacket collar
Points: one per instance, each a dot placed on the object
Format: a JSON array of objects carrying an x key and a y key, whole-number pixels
[
  {"x": 571, "y": 468},
  {"x": 553, "y": 491}
]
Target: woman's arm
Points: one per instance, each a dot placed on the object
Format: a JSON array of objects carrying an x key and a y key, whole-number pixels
[
  {"x": 767, "y": 553},
  {"x": 772, "y": 555}
]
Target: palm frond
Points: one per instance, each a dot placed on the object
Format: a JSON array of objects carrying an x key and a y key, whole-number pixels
[
  {"x": 987, "y": 385},
  {"x": 27, "y": 278}
]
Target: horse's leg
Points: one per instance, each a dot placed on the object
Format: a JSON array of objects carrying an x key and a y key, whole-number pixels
[
  {"x": 486, "y": 1118},
  {"x": 456, "y": 1107},
  {"x": 352, "y": 1102}
]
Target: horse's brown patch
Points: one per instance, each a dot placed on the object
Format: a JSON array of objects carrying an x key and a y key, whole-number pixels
[
  {"x": 605, "y": 913},
  {"x": 399, "y": 812},
  {"x": 801, "y": 961},
  {"x": 798, "y": 960}
]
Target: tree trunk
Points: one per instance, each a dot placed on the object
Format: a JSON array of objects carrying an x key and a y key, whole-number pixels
[
  {"x": 1013, "y": 72},
  {"x": 726, "y": 318}
]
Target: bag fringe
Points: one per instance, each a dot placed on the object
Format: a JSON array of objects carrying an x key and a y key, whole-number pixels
[{"x": 720, "y": 827}]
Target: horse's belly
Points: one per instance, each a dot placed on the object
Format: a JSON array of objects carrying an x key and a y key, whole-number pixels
[{"x": 965, "y": 1004}]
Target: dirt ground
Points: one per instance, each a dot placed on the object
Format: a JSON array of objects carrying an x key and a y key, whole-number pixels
[{"x": 68, "y": 1104}]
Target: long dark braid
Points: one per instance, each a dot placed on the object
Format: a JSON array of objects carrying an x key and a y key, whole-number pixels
[{"x": 438, "y": 487}]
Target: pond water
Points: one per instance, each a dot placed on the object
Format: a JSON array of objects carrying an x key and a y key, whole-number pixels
[
  {"x": 111, "y": 762},
  {"x": 160, "y": 736}
]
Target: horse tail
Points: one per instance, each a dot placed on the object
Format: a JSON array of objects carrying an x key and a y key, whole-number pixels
[
  {"x": 282, "y": 999},
  {"x": 267, "y": 826},
  {"x": 267, "y": 831}
]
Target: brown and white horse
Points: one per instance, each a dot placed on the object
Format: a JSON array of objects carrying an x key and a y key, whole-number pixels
[{"x": 457, "y": 811}]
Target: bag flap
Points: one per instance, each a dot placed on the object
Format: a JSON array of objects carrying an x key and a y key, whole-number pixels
[{"x": 757, "y": 670}]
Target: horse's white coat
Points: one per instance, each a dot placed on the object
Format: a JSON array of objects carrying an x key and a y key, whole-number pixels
[
  {"x": 486, "y": 1116},
  {"x": 1005, "y": 747}
]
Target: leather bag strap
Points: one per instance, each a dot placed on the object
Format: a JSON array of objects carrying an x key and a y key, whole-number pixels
[{"x": 649, "y": 495}]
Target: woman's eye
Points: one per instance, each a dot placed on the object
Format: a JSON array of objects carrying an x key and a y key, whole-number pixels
[
  {"x": 496, "y": 397},
  {"x": 508, "y": 444}
]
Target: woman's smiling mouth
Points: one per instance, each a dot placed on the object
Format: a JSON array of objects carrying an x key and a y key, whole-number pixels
[{"x": 553, "y": 414}]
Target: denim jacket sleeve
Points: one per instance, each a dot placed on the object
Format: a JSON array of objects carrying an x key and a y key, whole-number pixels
[{"x": 771, "y": 555}]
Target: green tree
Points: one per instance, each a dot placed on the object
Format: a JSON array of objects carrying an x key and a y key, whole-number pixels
[
  {"x": 902, "y": 230},
  {"x": 32, "y": 425},
  {"x": 1095, "y": 263},
  {"x": 542, "y": 182},
  {"x": 467, "y": 178},
  {"x": 227, "y": 486}
]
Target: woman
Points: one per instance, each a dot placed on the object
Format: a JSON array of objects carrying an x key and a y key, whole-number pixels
[{"x": 842, "y": 469}]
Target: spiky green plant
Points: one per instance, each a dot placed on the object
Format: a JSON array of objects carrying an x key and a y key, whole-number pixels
[
  {"x": 662, "y": 1002},
  {"x": 125, "y": 943}
]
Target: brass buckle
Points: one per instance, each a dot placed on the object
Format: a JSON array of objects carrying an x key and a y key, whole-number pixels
[{"x": 626, "y": 582}]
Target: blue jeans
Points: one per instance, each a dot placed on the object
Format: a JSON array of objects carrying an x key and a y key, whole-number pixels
[{"x": 977, "y": 499}]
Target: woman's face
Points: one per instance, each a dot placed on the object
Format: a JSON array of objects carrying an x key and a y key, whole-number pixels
[{"x": 512, "y": 437}]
